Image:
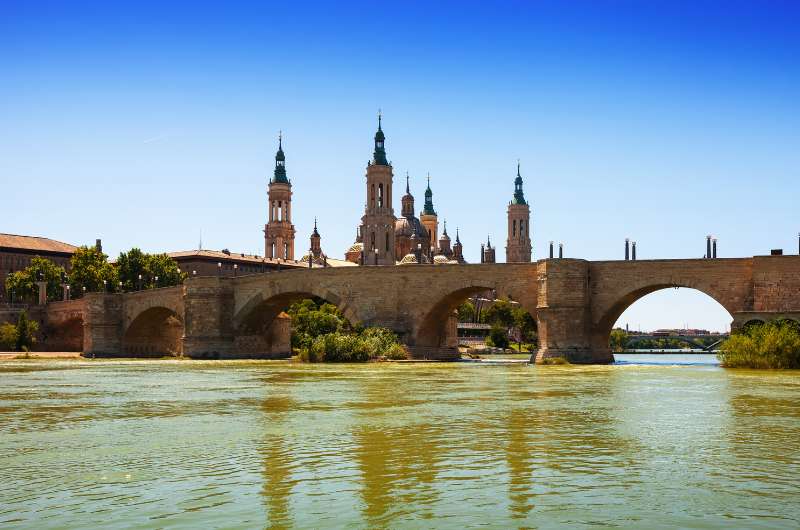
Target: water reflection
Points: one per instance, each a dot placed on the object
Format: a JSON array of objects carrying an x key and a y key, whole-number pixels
[{"x": 284, "y": 445}]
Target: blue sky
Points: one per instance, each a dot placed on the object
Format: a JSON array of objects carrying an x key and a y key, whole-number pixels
[{"x": 145, "y": 124}]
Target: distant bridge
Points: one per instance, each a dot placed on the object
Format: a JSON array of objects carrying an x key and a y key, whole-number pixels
[{"x": 692, "y": 340}]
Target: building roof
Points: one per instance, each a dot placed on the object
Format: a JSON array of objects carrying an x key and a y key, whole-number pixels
[
  {"x": 251, "y": 259},
  {"x": 34, "y": 243}
]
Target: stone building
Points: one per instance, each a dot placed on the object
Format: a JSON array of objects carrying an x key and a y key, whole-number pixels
[
  {"x": 409, "y": 239},
  {"x": 378, "y": 221},
  {"x": 518, "y": 244},
  {"x": 279, "y": 231},
  {"x": 16, "y": 253},
  {"x": 487, "y": 252}
]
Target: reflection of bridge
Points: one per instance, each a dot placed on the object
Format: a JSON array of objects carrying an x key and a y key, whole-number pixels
[
  {"x": 575, "y": 302},
  {"x": 692, "y": 340}
]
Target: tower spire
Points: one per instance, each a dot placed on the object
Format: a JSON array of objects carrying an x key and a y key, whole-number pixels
[
  {"x": 428, "y": 209},
  {"x": 408, "y": 190},
  {"x": 379, "y": 155},
  {"x": 280, "y": 162}
]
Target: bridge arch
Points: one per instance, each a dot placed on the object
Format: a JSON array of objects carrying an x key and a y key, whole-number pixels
[
  {"x": 621, "y": 301},
  {"x": 263, "y": 329},
  {"x": 154, "y": 332},
  {"x": 435, "y": 328}
]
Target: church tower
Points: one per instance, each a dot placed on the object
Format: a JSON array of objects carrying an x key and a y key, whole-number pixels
[
  {"x": 316, "y": 243},
  {"x": 458, "y": 249},
  {"x": 279, "y": 231},
  {"x": 518, "y": 245},
  {"x": 428, "y": 217},
  {"x": 377, "y": 224},
  {"x": 487, "y": 252}
]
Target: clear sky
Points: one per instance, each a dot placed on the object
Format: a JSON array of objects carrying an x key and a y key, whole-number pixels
[{"x": 662, "y": 121}]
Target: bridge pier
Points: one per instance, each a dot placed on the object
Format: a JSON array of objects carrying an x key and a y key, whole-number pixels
[
  {"x": 208, "y": 325},
  {"x": 563, "y": 315},
  {"x": 102, "y": 324}
]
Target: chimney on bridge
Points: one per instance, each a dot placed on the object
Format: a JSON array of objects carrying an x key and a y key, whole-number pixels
[
  {"x": 560, "y": 250},
  {"x": 714, "y": 248},
  {"x": 98, "y": 244},
  {"x": 551, "y": 250},
  {"x": 633, "y": 251},
  {"x": 627, "y": 249},
  {"x": 708, "y": 247}
]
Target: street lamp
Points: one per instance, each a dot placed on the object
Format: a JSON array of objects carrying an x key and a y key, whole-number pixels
[
  {"x": 156, "y": 284},
  {"x": 105, "y": 284},
  {"x": 235, "y": 269},
  {"x": 376, "y": 256},
  {"x": 120, "y": 286},
  {"x": 219, "y": 269},
  {"x": 140, "y": 282}
]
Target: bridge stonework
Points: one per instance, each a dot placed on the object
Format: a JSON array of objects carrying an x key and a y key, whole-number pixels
[{"x": 575, "y": 303}]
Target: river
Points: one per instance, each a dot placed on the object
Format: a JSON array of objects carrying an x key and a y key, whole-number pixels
[{"x": 650, "y": 442}]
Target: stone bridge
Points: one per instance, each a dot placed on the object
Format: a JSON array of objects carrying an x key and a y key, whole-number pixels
[{"x": 575, "y": 303}]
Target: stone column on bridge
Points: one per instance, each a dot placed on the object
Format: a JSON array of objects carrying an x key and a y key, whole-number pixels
[
  {"x": 208, "y": 324},
  {"x": 42, "y": 292},
  {"x": 102, "y": 324},
  {"x": 564, "y": 313}
]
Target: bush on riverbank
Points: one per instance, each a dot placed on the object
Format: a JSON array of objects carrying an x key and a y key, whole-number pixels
[
  {"x": 321, "y": 333},
  {"x": 770, "y": 345},
  {"x": 19, "y": 337}
]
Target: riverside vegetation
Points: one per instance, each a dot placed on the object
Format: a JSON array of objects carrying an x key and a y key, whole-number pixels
[
  {"x": 321, "y": 333},
  {"x": 770, "y": 345},
  {"x": 19, "y": 337}
]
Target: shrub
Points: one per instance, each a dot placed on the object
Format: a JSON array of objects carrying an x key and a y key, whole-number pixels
[
  {"x": 396, "y": 352},
  {"x": 8, "y": 336},
  {"x": 554, "y": 361},
  {"x": 771, "y": 345},
  {"x": 498, "y": 337},
  {"x": 26, "y": 331}
]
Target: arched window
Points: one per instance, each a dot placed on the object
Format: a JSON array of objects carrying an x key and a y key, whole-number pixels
[
  {"x": 380, "y": 195},
  {"x": 514, "y": 228},
  {"x": 387, "y": 241},
  {"x": 372, "y": 244},
  {"x": 372, "y": 199},
  {"x": 522, "y": 229}
]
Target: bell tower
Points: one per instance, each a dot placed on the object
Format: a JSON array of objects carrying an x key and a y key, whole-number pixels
[
  {"x": 428, "y": 217},
  {"x": 279, "y": 231},
  {"x": 518, "y": 244},
  {"x": 377, "y": 223}
]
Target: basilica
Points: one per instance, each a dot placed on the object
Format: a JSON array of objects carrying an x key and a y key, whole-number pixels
[{"x": 381, "y": 237}]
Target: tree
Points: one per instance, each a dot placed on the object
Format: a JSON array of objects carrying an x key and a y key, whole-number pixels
[
  {"x": 466, "y": 312},
  {"x": 498, "y": 337},
  {"x": 8, "y": 336},
  {"x": 23, "y": 282},
  {"x": 618, "y": 340},
  {"x": 129, "y": 266},
  {"x": 132, "y": 264},
  {"x": 26, "y": 331},
  {"x": 526, "y": 325},
  {"x": 89, "y": 267},
  {"x": 501, "y": 313}
]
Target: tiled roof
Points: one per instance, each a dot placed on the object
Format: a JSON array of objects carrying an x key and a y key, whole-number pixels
[
  {"x": 247, "y": 258},
  {"x": 34, "y": 243}
]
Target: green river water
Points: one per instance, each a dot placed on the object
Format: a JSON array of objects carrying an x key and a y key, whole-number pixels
[{"x": 190, "y": 444}]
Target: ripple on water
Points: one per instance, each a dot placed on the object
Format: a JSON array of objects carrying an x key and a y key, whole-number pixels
[{"x": 278, "y": 444}]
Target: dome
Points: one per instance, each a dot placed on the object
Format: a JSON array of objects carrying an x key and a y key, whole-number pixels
[
  {"x": 408, "y": 226},
  {"x": 409, "y": 259},
  {"x": 440, "y": 259},
  {"x": 356, "y": 247}
]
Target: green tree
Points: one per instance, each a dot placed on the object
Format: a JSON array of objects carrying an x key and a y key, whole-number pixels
[
  {"x": 89, "y": 267},
  {"x": 618, "y": 340},
  {"x": 526, "y": 325},
  {"x": 26, "y": 332},
  {"x": 133, "y": 263},
  {"x": 498, "y": 337},
  {"x": 23, "y": 282},
  {"x": 466, "y": 312},
  {"x": 770, "y": 345},
  {"x": 129, "y": 266},
  {"x": 8, "y": 336},
  {"x": 501, "y": 313}
]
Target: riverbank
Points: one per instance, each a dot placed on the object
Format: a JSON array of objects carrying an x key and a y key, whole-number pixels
[{"x": 9, "y": 355}]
